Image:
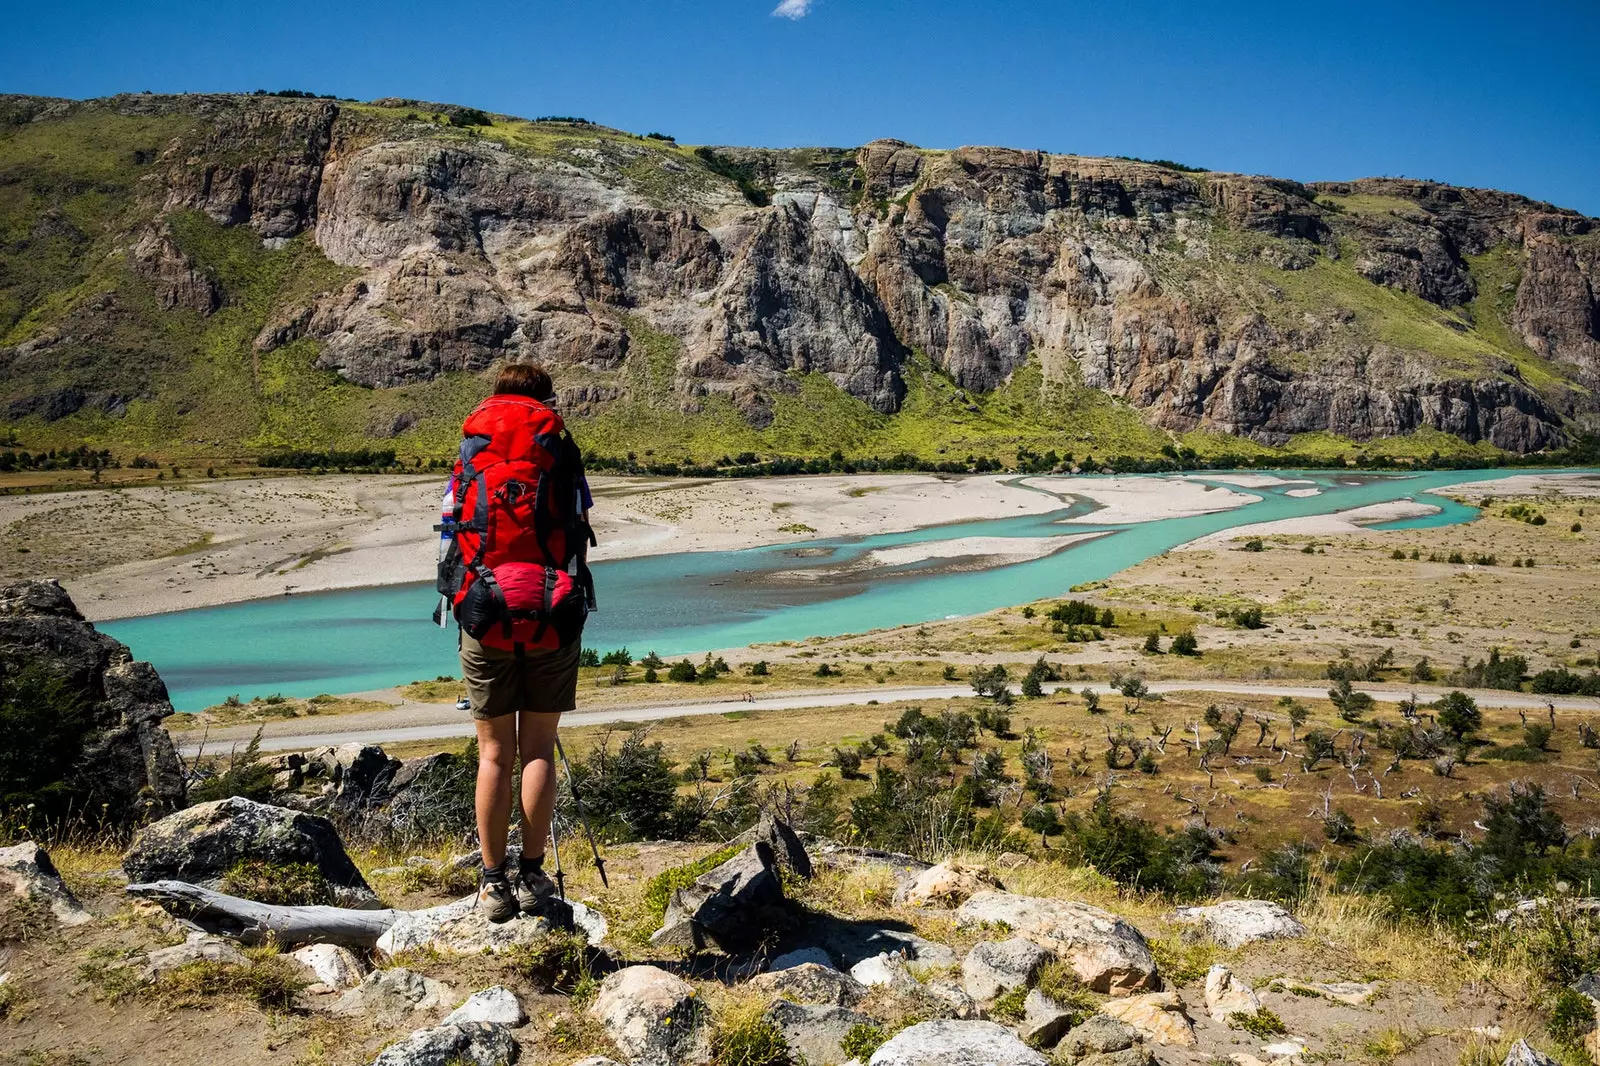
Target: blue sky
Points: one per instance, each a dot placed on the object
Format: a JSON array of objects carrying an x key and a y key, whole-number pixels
[{"x": 1501, "y": 95}]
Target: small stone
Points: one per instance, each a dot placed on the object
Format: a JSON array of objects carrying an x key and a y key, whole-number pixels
[
  {"x": 200, "y": 947},
  {"x": 1157, "y": 1016},
  {"x": 1226, "y": 994},
  {"x": 800, "y": 956},
  {"x": 956, "y": 1043},
  {"x": 392, "y": 995},
  {"x": 466, "y": 1044},
  {"x": 1098, "y": 1035},
  {"x": 1522, "y": 1054},
  {"x": 815, "y": 1033},
  {"x": 1290, "y": 1047},
  {"x": 650, "y": 1015},
  {"x": 810, "y": 983},
  {"x": 26, "y": 869},
  {"x": 948, "y": 884},
  {"x": 330, "y": 964},
  {"x": 887, "y": 969},
  {"x": 994, "y": 968},
  {"x": 1236, "y": 922},
  {"x": 1044, "y": 1021},
  {"x": 497, "y": 1005}
]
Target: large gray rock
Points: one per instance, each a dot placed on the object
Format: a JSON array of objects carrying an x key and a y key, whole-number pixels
[
  {"x": 810, "y": 983},
  {"x": 454, "y": 1044},
  {"x": 1521, "y": 1054},
  {"x": 199, "y": 947},
  {"x": 788, "y": 852},
  {"x": 1106, "y": 952},
  {"x": 1236, "y": 922},
  {"x": 729, "y": 907},
  {"x": 463, "y": 928},
  {"x": 815, "y": 1033},
  {"x": 652, "y": 1016},
  {"x": 203, "y": 843},
  {"x": 992, "y": 968},
  {"x": 26, "y": 870},
  {"x": 1098, "y": 1035},
  {"x": 497, "y": 1005},
  {"x": 125, "y": 768},
  {"x": 956, "y": 1043},
  {"x": 393, "y": 995}
]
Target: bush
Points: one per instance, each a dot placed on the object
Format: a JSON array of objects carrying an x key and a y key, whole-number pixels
[
  {"x": 1132, "y": 852},
  {"x": 758, "y": 668},
  {"x": 245, "y": 775},
  {"x": 620, "y": 657},
  {"x": 588, "y": 657},
  {"x": 1185, "y": 644},
  {"x": 631, "y": 793},
  {"x": 1458, "y": 713},
  {"x": 1262, "y": 1024},
  {"x": 682, "y": 670},
  {"x": 42, "y": 729},
  {"x": 862, "y": 1040}
]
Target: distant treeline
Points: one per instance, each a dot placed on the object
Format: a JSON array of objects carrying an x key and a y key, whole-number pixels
[
  {"x": 80, "y": 458},
  {"x": 330, "y": 460}
]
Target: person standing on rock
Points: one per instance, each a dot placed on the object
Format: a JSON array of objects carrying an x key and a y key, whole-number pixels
[{"x": 516, "y": 579}]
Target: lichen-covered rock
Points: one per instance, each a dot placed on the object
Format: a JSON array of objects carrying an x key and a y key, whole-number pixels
[
  {"x": 392, "y": 995},
  {"x": 956, "y": 1043},
  {"x": 1236, "y": 922},
  {"x": 728, "y": 907},
  {"x": 946, "y": 885},
  {"x": 1226, "y": 994},
  {"x": 1044, "y": 1021},
  {"x": 453, "y": 1044},
  {"x": 1098, "y": 1035},
  {"x": 497, "y": 1005},
  {"x": 204, "y": 842},
  {"x": 815, "y": 1032},
  {"x": 462, "y": 928},
  {"x": 1108, "y": 954},
  {"x": 992, "y": 968},
  {"x": 1157, "y": 1016},
  {"x": 125, "y": 768},
  {"x": 26, "y": 870},
  {"x": 810, "y": 983},
  {"x": 652, "y": 1016}
]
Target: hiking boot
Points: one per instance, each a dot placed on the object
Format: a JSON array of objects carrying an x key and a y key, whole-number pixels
[
  {"x": 497, "y": 899},
  {"x": 533, "y": 887}
]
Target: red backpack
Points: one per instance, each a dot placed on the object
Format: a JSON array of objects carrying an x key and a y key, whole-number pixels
[{"x": 514, "y": 572}]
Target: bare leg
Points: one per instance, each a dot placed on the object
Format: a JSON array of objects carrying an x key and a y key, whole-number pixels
[
  {"x": 497, "y": 749},
  {"x": 536, "y": 739}
]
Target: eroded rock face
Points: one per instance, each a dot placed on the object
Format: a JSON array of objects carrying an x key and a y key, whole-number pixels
[
  {"x": 813, "y": 1032},
  {"x": 727, "y": 907},
  {"x": 810, "y": 983},
  {"x": 126, "y": 766},
  {"x": 1107, "y": 953},
  {"x": 204, "y": 842}
]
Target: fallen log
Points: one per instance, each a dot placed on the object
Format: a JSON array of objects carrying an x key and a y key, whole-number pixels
[{"x": 250, "y": 922}]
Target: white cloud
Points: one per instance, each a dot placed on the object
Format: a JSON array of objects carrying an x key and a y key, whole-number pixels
[{"x": 792, "y": 9}]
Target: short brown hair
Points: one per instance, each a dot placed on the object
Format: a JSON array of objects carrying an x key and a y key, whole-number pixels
[{"x": 525, "y": 379}]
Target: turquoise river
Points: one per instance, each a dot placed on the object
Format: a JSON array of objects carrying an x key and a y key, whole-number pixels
[{"x": 685, "y": 603}]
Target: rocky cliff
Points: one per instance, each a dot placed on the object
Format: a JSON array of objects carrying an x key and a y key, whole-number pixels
[{"x": 254, "y": 272}]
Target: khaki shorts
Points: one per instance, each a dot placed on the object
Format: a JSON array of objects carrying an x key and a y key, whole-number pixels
[{"x": 500, "y": 683}]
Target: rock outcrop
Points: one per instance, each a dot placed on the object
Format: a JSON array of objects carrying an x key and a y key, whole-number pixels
[
  {"x": 121, "y": 764},
  {"x": 646, "y": 275},
  {"x": 1236, "y": 922},
  {"x": 1107, "y": 953},
  {"x": 203, "y": 843}
]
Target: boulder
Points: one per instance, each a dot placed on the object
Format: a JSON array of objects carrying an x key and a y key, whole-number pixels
[
  {"x": 461, "y": 927},
  {"x": 1236, "y": 922},
  {"x": 1227, "y": 994},
  {"x": 956, "y": 1043},
  {"x": 787, "y": 850},
  {"x": 201, "y": 844},
  {"x": 810, "y": 983},
  {"x": 946, "y": 885},
  {"x": 1044, "y": 1021},
  {"x": 1098, "y": 1035},
  {"x": 992, "y": 968},
  {"x": 800, "y": 956},
  {"x": 125, "y": 766},
  {"x": 1107, "y": 953},
  {"x": 200, "y": 947},
  {"x": 392, "y": 995},
  {"x": 497, "y": 1005},
  {"x": 651, "y": 1016},
  {"x": 888, "y": 969},
  {"x": 1157, "y": 1016},
  {"x": 1521, "y": 1054},
  {"x": 27, "y": 871},
  {"x": 463, "y": 1044},
  {"x": 814, "y": 1032},
  {"x": 729, "y": 907},
  {"x": 330, "y": 964}
]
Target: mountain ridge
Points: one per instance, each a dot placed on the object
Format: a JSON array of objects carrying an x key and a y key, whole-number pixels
[{"x": 250, "y": 273}]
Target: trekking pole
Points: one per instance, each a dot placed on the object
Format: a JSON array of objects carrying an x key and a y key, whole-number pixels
[
  {"x": 555, "y": 853},
  {"x": 577, "y": 803}
]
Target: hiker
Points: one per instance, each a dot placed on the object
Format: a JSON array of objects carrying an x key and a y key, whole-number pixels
[{"x": 518, "y": 584}]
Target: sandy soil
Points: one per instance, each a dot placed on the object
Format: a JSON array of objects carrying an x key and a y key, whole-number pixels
[{"x": 150, "y": 549}]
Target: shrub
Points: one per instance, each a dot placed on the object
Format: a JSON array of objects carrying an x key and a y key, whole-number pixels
[
  {"x": 620, "y": 657},
  {"x": 824, "y": 670},
  {"x": 682, "y": 670},
  {"x": 862, "y": 1040},
  {"x": 588, "y": 657},
  {"x": 1132, "y": 852},
  {"x": 1185, "y": 644},
  {"x": 758, "y": 668},
  {"x": 1262, "y": 1024},
  {"x": 848, "y": 762},
  {"x": 245, "y": 775},
  {"x": 1459, "y": 714},
  {"x": 630, "y": 793},
  {"x": 1152, "y": 644},
  {"x": 42, "y": 729}
]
